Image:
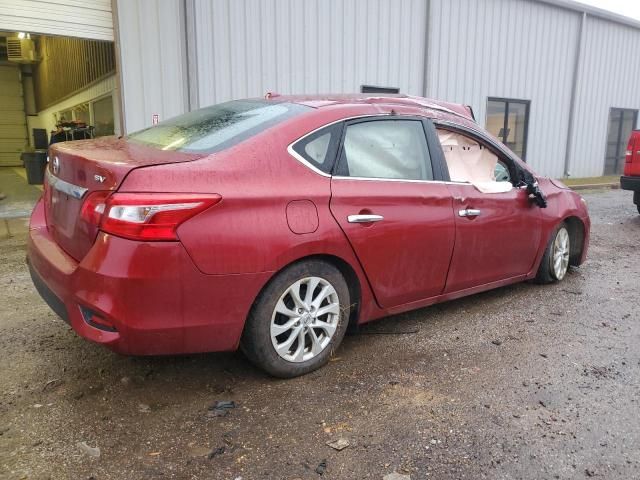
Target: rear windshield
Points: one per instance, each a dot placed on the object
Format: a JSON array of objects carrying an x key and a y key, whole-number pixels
[{"x": 218, "y": 127}]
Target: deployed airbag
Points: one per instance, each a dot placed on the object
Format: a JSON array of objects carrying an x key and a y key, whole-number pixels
[{"x": 468, "y": 161}]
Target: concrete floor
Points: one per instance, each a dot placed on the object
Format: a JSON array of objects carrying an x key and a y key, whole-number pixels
[{"x": 20, "y": 199}]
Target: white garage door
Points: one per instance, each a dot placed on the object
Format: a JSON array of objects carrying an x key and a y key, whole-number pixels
[
  {"x": 13, "y": 129},
  {"x": 72, "y": 18}
]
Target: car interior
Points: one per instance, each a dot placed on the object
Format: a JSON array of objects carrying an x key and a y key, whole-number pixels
[{"x": 471, "y": 162}]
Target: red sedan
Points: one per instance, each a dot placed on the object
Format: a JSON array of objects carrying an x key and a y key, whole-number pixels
[{"x": 271, "y": 225}]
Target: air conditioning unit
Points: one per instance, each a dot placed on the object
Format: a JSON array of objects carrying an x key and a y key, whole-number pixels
[{"x": 21, "y": 50}]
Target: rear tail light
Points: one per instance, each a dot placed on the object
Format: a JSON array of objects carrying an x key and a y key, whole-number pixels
[
  {"x": 150, "y": 216},
  {"x": 92, "y": 210},
  {"x": 632, "y": 155},
  {"x": 633, "y": 149}
]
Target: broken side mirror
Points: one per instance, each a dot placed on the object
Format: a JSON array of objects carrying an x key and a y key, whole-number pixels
[
  {"x": 533, "y": 189},
  {"x": 536, "y": 195}
]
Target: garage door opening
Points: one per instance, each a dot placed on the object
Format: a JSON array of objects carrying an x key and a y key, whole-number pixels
[{"x": 52, "y": 89}]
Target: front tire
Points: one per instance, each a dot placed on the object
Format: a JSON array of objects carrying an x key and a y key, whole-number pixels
[
  {"x": 555, "y": 262},
  {"x": 298, "y": 320}
]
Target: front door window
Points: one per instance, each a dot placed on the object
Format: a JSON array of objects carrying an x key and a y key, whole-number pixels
[
  {"x": 621, "y": 123},
  {"x": 508, "y": 120}
]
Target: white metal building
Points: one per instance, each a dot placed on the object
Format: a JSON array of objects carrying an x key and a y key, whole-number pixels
[{"x": 556, "y": 80}]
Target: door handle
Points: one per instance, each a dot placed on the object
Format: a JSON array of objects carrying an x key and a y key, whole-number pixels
[
  {"x": 469, "y": 212},
  {"x": 364, "y": 218}
]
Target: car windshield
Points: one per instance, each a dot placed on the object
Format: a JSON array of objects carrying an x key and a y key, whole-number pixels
[{"x": 218, "y": 127}]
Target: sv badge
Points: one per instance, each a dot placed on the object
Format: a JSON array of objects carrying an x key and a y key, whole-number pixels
[{"x": 99, "y": 178}]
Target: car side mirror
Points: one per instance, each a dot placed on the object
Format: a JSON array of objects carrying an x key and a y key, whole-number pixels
[
  {"x": 536, "y": 195},
  {"x": 528, "y": 181}
]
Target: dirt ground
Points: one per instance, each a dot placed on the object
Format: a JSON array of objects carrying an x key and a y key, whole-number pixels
[{"x": 526, "y": 382}]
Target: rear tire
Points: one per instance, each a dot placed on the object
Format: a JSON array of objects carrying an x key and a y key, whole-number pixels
[
  {"x": 298, "y": 320},
  {"x": 555, "y": 262}
]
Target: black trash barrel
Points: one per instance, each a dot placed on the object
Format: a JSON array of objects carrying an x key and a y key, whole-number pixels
[{"x": 35, "y": 164}]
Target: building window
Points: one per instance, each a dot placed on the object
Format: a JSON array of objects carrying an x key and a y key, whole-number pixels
[
  {"x": 102, "y": 116},
  {"x": 378, "y": 89},
  {"x": 64, "y": 116},
  {"x": 508, "y": 120},
  {"x": 621, "y": 123},
  {"x": 81, "y": 114},
  {"x": 96, "y": 113}
]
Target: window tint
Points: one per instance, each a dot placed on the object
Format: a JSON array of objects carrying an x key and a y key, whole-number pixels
[
  {"x": 320, "y": 148},
  {"x": 215, "y": 128},
  {"x": 393, "y": 149}
]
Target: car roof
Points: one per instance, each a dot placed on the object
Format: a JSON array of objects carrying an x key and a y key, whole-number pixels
[{"x": 400, "y": 100}]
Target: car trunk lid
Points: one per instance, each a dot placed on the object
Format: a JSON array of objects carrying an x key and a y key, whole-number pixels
[{"x": 84, "y": 170}]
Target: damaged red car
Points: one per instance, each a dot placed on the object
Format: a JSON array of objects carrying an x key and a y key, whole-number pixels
[{"x": 271, "y": 225}]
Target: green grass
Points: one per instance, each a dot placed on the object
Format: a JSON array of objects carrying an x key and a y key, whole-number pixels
[{"x": 590, "y": 180}]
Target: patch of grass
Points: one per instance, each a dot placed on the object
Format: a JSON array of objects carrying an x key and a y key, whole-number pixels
[{"x": 590, "y": 180}]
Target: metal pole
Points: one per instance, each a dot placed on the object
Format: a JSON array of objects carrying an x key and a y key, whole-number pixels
[
  {"x": 191, "y": 48},
  {"x": 119, "y": 94},
  {"x": 427, "y": 48}
]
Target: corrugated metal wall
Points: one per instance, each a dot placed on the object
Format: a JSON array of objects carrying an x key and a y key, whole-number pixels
[
  {"x": 72, "y": 18},
  {"x": 152, "y": 48},
  {"x": 609, "y": 78},
  {"x": 246, "y": 48},
  {"x": 512, "y": 49}
]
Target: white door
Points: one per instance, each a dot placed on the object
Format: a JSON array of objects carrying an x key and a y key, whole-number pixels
[
  {"x": 72, "y": 18},
  {"x": 13, "y": 128}
]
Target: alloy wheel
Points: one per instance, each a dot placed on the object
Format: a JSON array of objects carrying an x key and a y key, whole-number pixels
[
  {"x": 305, "y": 319},
  {"x": 561, "y": 250}
]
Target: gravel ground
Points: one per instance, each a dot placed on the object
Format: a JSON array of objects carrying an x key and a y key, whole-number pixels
[{"x": 524, "y": 382}]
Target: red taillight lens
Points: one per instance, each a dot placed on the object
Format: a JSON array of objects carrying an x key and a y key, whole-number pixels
[
  {"x": 632, "y": 155},
  {"x": 93, "y": 207},
  {"x": 91, "y": 212},
  {"x": 628, "y": 157},
  {"x": 152, "y": 216}
]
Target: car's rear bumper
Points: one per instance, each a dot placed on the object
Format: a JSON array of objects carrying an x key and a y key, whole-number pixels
[
  {"x": 630, "y": 183},
  {"x": 152, "y": 294}
]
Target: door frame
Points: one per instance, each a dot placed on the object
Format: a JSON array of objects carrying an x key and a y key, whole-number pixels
[
  {"x": 507, "y": 101},
  {"x": 438, "y": 163},
  {"x": 517, "y": 165},
  {"x": 621, "y": 141},
  {"x": 519, "y": 173},
  {"x": 438, "y": 183}
]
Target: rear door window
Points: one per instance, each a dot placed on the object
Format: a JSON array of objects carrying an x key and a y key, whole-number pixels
[
  {"x": 218, "y": 127},
  {"x": 386, "y": 149}
]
